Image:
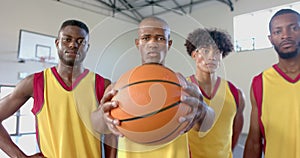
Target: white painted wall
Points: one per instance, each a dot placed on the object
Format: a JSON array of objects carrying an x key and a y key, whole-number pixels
[
  {"x": 112, "y": 50},
  {"x": 240, "y": 67}
]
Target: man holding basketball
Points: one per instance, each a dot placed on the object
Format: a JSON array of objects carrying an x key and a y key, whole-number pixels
[
  {"x": 208, "y": 47},
  {"x": 275, "y": 116},
  {"x": 59, "y": 93},
  {"x": 153, "y": 44}
]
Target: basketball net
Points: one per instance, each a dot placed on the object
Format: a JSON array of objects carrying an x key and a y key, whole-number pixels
[{"x": 43, "y": 61}]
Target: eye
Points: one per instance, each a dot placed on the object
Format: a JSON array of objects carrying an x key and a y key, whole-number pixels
[
  {"x": 205, "y": 51},
  {"x": 145, "y": 38},
  {"x": 66, "y": 39},
  {"x": 161, "y": 39},
  {"x": 277, "y": 32},
  {"x": 295, "y": 28},
  {"x": 81, "y": 41}
]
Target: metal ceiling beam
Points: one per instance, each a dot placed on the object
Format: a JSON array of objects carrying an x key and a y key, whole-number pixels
[
  {"x": 133, "y": 12},
  {"x": 191, "y": 4},
  {"x": 152, "y": 3},
  {"x": 183, "y": 11},
  {"x": 118, "y": 9},
  {"x": 228, "y": 2},
  {"x": 183, "y": 6},
  {"x": 131, "y": 9}
]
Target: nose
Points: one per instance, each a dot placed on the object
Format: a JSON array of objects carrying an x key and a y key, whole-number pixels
[
  {"x": 152, "y": 43},
  {"x": 73, "y": 44},
  {"x": 212, "y": 56},
  {"x": 286, "y": 33}
]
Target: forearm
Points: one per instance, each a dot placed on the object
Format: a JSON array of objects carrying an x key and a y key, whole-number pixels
[
  {"x": 252, "y": 150},
  {"x": 207, "y": 119},
  {"x": 110, "y": 145},
  {"x": 8, "y": 146},
  {"x": 98, "y": 122}
]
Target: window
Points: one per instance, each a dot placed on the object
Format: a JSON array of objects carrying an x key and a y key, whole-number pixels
[
  {"x": 251, "y": 30},
  {"x": 22, "y": 122}
]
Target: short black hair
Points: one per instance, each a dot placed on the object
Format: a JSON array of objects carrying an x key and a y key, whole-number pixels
[
  {"x": 281, "y": 12},
  {"x": 74, "y": 23},
  {"x": 206, "y": 37}
]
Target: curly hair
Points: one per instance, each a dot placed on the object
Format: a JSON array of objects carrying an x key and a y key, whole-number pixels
[{"x": 206, "y": 37}]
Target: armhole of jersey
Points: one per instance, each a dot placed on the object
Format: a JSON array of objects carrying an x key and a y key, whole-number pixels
[
  {"x": 235, "y": 93},
  {"x": 100, "y": 87},
  {"x": 38, "y": 92},
  {"x": 258, "y": 92}
]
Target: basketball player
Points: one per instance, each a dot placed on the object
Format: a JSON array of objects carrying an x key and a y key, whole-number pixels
[
  {"x": 208, "y": 47},
  {"x": 58, "y": 92},
  {"x": 275, "y": 115},
  {"x": 153, "y": 43}
]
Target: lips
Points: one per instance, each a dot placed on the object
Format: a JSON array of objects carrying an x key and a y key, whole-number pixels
[
  {"x": 152, "y": 53},
  {"x": 286, "y": 44},
  {"x": 71, "y": 52}
]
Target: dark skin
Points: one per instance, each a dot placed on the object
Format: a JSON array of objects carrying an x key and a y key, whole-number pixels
[
  {"x": 207, "y": 61},
  {"x": 71, "y": 54},
  {"x": 285, "y": 36},
  {"x": 153, "y": 43}
]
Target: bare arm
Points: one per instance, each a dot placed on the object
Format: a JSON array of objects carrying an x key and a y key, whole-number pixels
[
  {"x": 202, "y": 116},
  {"x": 238, "y": 120},
  {"x": 101, "y": 119},
  {"x": 8, "y": 106},
  {"x": 253, "y": 147}
]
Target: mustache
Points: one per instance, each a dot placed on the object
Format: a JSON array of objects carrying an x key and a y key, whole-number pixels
[{"x": 287, "y": 41}]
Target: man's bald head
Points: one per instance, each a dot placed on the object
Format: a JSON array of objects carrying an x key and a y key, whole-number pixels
[{"x": 155, "y": 22}]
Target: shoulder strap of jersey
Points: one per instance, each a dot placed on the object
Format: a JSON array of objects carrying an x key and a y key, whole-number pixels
[
  {"x": 235, "y": 93},
  {"x": 257, "y": 87},
  {"x": 38, "y": 92},
  {"x": 100, "y": 87}
]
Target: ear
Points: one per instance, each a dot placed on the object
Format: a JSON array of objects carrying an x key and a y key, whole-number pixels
[
  {"x": 88, "y": 47},
  {"x": 170, "y": 42},
  {"x": 194, "y": 54},
  {"x": 56, "y": 42},
  {"x": 270, "y": 39},
  {"x": 137, "y": 43}
]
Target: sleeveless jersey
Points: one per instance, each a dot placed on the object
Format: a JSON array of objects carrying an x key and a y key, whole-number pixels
[
  {"x": 63, "y": 127},
  {"x": 216, "y": 142},
  {"x": 278, "y": 102},
  {"x": 178, "y": 148}
]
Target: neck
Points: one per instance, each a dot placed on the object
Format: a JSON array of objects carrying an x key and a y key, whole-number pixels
[
  {"x": 69, "y": 73},
  {"x": 206, "y": 81},
  {"x": 206, "y": 78},
  {"x": 290, "y": 67}
]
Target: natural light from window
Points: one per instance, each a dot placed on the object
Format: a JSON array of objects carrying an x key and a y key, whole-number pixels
[{"x": 251, "y": 30}]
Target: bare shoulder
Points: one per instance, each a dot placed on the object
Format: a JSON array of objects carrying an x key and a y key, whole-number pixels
[
  {"x": 107, "y": 82},
  {"x": 241, "y": 99},
  {"x": 25, "y": 87}
]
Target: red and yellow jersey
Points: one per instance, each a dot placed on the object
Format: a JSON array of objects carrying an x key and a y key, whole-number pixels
[
  {"x": 177, "y": 148},
  {"x": 278, "y": 102},
  {"x": 63, "y": 126},
  {"x": 216, "y": 142}
]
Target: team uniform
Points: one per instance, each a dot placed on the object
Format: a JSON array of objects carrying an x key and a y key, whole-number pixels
[
  {"x": 178, "y": 148},
  {"x": 216, "y": 142},
  {"x": 278, "y": 103},
  {"x": 63, "y": 114}
]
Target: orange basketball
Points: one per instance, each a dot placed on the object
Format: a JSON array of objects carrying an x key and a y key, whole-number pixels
[{"x": 149, "y": 105}]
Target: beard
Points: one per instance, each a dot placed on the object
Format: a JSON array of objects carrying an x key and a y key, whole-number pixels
[{"x": 287, "y": 55}]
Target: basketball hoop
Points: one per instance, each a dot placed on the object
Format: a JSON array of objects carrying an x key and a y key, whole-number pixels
[{"x": 44, "y": 60}]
